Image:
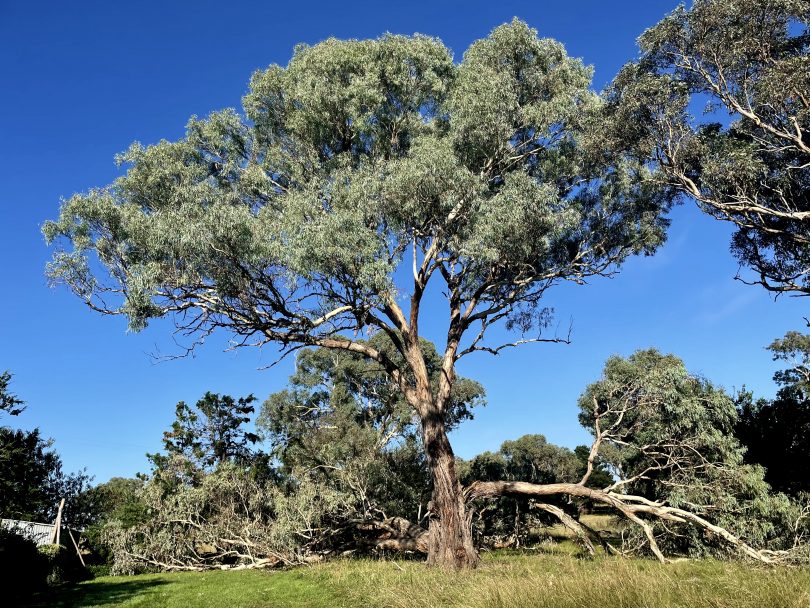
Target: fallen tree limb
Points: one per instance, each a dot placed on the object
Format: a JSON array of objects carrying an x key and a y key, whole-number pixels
[
  {"x": 570, "y": 523},
  {"x": 629, "y": 506},
  {"x": 395, "y": 534}
]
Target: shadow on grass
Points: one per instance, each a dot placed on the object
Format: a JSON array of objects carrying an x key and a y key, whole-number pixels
[{"x": 106, "y": 593}]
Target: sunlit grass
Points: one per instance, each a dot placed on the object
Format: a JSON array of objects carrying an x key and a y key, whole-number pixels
[{"x": 534, "y": 579}]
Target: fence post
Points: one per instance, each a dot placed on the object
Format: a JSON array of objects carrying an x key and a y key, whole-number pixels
[
  {"x": 57, "y": 527},
  {"x": 75, "y": 544}
]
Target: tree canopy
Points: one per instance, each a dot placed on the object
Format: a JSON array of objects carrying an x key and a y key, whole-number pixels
[
  {"x": 748, "y": 160},
  {"x": 288, "y": 224},
  {"x": 359, "y": 173},
  {"x": 210, "y": 433}
]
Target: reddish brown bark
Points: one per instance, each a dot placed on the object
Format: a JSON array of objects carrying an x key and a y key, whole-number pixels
[{"x": 450, "y": 543}]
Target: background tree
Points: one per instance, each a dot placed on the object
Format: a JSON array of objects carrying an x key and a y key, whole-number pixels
[
  {"x": 32, "y": 482},
  {"x": 364, "y": 172},
  {"x": 531, "y": 459},
  {"x": 794, "y": 349},
  {"x": 776, "y": 433},
  {"x": 117, "y": 500},
  {"x": 9, "y": 402},
  {"x": 209, "y": 434},
  {"x": 749, "y": 59},
  {"x": 600, "y": 476}
]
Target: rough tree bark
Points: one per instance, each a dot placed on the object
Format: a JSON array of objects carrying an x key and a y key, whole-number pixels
[{"x": 450, "y": 543}]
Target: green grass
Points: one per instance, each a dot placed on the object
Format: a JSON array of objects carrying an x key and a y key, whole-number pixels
[
  {"x": 531, "y": 580},
  {"x": 246, "y": 588}
]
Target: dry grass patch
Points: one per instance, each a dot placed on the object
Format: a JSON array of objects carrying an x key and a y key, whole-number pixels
[{"x": 564, "y": 581}]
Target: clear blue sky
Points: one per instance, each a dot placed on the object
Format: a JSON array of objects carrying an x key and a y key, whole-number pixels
[{"x": 81, "y": 80}]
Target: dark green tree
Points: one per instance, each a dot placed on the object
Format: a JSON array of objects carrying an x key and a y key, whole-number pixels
[
  {"x": 364, "y": 174},
  {"x": 119, "y": 499},
  {"x": 210, "y": 433},
  {"x": 28, "y": 475},
  {"x": 32, "y": 481},
  {"x": 9, "y": 402},
  {"x": 600, "y": 476},
  {"x": 343, "y": 418},
  {"x": 776, "y": 433}
]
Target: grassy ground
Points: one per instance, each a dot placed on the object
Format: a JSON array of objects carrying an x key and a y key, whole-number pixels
[{"x": 549, "y": 577}]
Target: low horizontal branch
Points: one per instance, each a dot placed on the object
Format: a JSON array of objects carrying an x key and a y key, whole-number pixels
[{"x": 630, "y": 506}]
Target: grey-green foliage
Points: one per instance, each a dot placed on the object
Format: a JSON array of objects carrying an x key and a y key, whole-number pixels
[
  {"x": 231, "y": 517},
  {"x": 668, "y": 436},
  {"x": 748, "y": 161},
  {"x": 349, "y": 161},
  {"x": 793, "y": 349}
]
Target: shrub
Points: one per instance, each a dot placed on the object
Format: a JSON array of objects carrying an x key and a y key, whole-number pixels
[
  {"x": 97, "y": 570},
  {"x": 62, "y": 565},
  {"x": 22, "y": 568}
]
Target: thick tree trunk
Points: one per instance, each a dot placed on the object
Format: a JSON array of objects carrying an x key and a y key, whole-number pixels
[{"x": 450, "y": 543}]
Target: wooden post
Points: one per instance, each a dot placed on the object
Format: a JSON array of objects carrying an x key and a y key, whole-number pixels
[
  {"x": 57, "y": 528},
  {"x": 75, "y": 544}
]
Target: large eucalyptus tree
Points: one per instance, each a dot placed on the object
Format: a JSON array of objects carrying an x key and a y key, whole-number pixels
[{"x": 362, "y": 173}]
